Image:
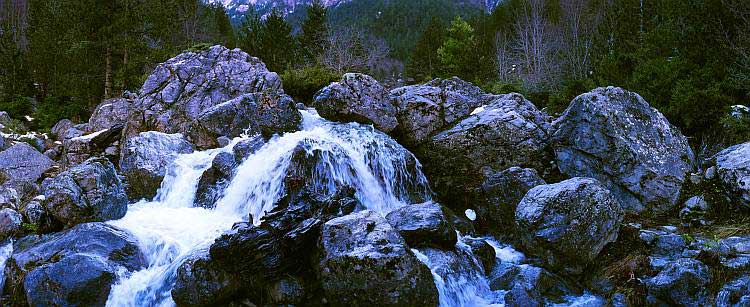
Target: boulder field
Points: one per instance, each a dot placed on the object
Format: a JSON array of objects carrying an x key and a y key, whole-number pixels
[{"x": 601, "y": 201}]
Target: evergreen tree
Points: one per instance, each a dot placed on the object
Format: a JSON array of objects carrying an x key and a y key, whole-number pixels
[
  {"x": 424, "y": 63},
  {"x": 314, "y": 31},
  {"x": 458, "y": 54},
  {"x": 250, "y": 33},
  {"x": 277, "y": 43}
]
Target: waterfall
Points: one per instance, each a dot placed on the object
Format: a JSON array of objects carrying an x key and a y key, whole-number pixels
[
  {"x": 169, "y": 229},
  {"x": 6, "y": 251}
]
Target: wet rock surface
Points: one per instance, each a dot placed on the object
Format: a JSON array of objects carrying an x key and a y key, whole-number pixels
[
  {"x": 89, "y": 192},
  {"x": 365, "y": 261},
  {"x": 423, "y": 224},
  {"x": 359, "y": 98},
  {"x": 74, "y": 267},
  {"x": 567, "y": 224},
  {"x": 145, "y": 159}
]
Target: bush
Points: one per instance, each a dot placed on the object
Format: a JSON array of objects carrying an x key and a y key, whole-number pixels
[
  {"x": 302, "y": 84},
  {"x": 18, "y": 107},
  {"x": 53, "y": 109}
]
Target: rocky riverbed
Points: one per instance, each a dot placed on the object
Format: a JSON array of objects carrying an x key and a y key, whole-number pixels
[{"x": 211, "y": 186}]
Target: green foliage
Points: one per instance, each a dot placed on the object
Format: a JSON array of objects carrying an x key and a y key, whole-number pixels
[
  {"x": 53, "y": 109},
  {"x": 302, "y": 84},
  {"x": 199, "y": 47},
  {"x": 457, "y": 54},
  {"x": 423, "y": 62},
  {"x": 736, "y": 129},
  {"x": 29, "y": 228},
  {"x": 18, "y": 106},
  {"x": 314, "y": 31}
]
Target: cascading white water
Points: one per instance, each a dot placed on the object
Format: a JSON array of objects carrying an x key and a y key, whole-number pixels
[
  {"x": 169, "y": 229},
  {"x": 6, "y": 250}
]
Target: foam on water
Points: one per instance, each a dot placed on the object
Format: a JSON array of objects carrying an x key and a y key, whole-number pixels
[{"x": 170, "y": 230}]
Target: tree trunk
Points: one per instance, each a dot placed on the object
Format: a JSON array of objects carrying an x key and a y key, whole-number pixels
[{"x": 108, "y": 74}]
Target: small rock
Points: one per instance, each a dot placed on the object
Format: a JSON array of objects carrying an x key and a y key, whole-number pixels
[
  {"x": 681, "y": 282},
  {"x": 423, "y": 224},
  {"x": 10, "y": 223}
]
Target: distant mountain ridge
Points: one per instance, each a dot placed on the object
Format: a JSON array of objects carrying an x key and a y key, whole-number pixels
[{"x": 236, "y": 9}]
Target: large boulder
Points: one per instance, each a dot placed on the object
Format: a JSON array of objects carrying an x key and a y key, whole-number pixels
[
  {"x": 510, "y": 131},
  {"x": 10, "y": 223},
  {"x": 110, "y": 113},
  {"x": 733, "y": 168},
  {"x": 500, "y": 194},
  {"x": 264, "y": 113},
  {"x": 681, "y": 283},
  {"x": 214, "y": 180},
  {"x": 735, "y": 293},
  {"x": 76, "y": 267},
  {"x": 200, "y": 283},
  {"x": 78, "y": 149},
  {"x": 423, "y": 224},
  {"x": 145, "y": 159},
  {"x": 88, "y": 192},
  {"x": 22, "y": 163},
  {"x": 183, "y": 87},
  {"x": 425, "y": 109},
  {"x": 61, "y": 127},
  {"x": 616, "y": 137},
  {"x": 567, "y": 224},
  {"x": 359, "y": 98},
  {"x": 364, "y": 261}
]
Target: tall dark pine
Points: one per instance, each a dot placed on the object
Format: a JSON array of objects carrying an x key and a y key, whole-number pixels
[
  {"x": 277, "y": 43},
  {"x": 314, "y": 31},
  {"x": 423, "y": 63},
  {"x": 250, "y": 33}
]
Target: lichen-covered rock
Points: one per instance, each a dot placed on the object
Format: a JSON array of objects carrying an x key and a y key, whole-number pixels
[
  {"x": 61, "y": 127},
  {"x": 616, "y": 137},
  {"x": 359, "y": 98},
  {"x": 79, "y": 149},
  {"x": 145, "y": 159},
  {"x": 10, "y": 223},
  {"x": 199, "y": 282},
  {"x": 264, "y": 113},
  {"x": 423, "y": 224},
  {"x": 181, "y": 88},
  {"x": 508, "y": 132},
  {"x": 682, "y": 282},
  {"x": 110, "y": 113},
  {"x": 76, "y": 267},
  {"x": 88, "y": 192},
  {"x": 9, "y": 197},
  {"x": 22, "y": 163},
  {"x": 501, "y": 192},
  {"x": 567, "y": 224},
  {"x": 735, "y": 293},
  {"x": 733, "y": 168},
  {"x": 427, "y": 108},
  {"x": 364, "y": 261}
]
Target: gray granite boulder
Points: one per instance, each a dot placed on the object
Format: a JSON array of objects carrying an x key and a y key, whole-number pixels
[
  {"x": 10, "y": 223},
  {"x": 733, "y": 168},
  {"x": 110, "y": 113},
  {"x": 145, "y": 159},
  {"x": 616, "y": 137},
  {"x": 567, "y": 224},
  {"x": 364, "y": 261},
  {"x": 423, "y": 224},
  {"x": 183, "y": 87},
  {"x": 358, "y": 98},
  {"x": 265, "y": 113},
  {"x": 22, "y": 163},
  {"x": 501, "y": 192},
  {"x": 88, "y": 192},
  {"x": 61, "y": 127},
  {"x": 76, "y": 267},
  {"x": 682, "y": 282},
  {"x": 425, "y": 109}
]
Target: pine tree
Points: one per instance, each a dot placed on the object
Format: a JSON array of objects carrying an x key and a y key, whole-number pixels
[
  {"x": 424, "y": 63},
  {"x": 458, "y": 53},
  {"x": 277, "y": 43},
  {"x": 250, "y": 33},
  {"x": 314, "y": 31}
]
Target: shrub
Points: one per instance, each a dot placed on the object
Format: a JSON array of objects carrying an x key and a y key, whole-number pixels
[
  {"x": 302, "y": 84},
  {"x": 53, "y": 109},
  {"x": 18, "y": 106}
]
